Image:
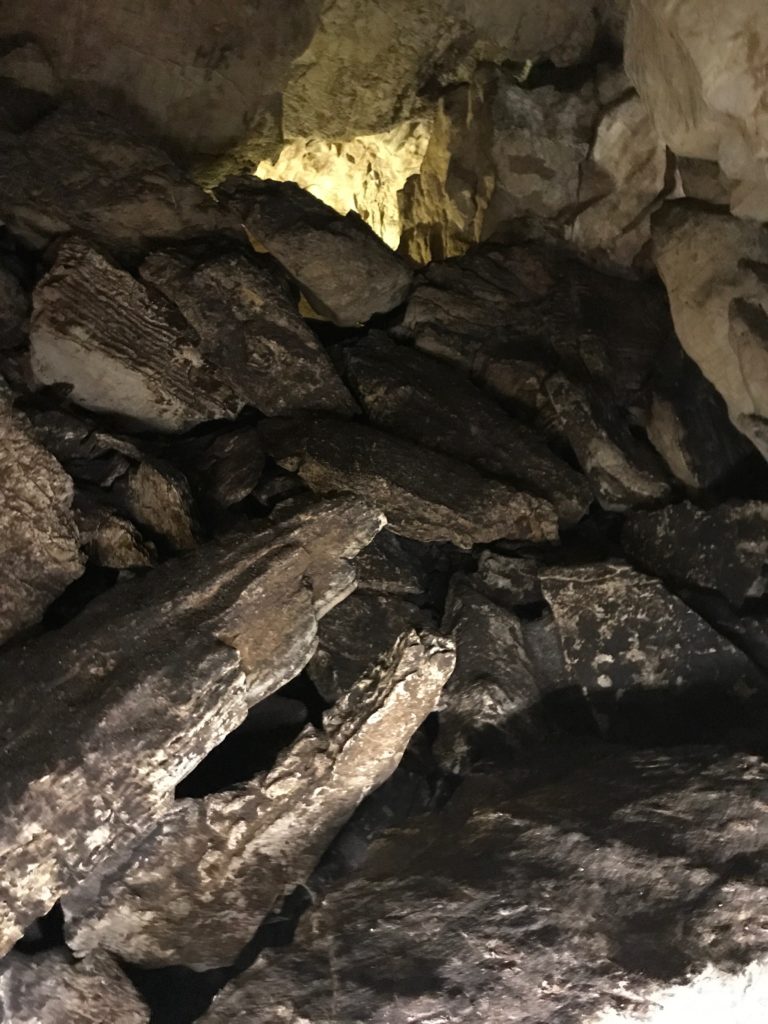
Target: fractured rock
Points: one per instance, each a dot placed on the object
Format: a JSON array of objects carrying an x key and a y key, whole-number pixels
[
  {"x": 14, "y": 310},
  {"x": 79, "y": 171},
  {"x": 157, "y": 497},
  {"x": 345, "y": 271},
  {"x": 123, "y": 349},
  {"x": 51, "y": 988},
  {"x": 425, "y": 495},
  {"x": 142, "y": 684},
  {"x": 111, "y": 541},
  {"x": 39, "y": 544},
  {"x": 636, "y": 650},
  {"x": 393, "y": 565},
  {"x": 212, "y": 869},
  {"x": 556, "y": 896},
  {"x": 225, "y": 469},
  {"x": 723, "y": 548},
  {"x": 250, "y": 328},
  {"x": 489, "y": 703},
  {"x": 353, "y": 637},
  {"x": 622, "y": 471},
  {"x": 715, "y": 269},
  {"x": 407, "y": 392}
]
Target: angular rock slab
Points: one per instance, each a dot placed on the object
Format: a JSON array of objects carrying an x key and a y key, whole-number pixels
[
  {"x": 51, "y": 988},
  {"x": 39, "y": 542},
  {"x": 425, "y": 495},
  {"x": 715, "y": 269},
  {"x": 600, "y": 875},
  {"x": 202, "y": 882},
  {"x": 353, "y": 637},
  {"x": 411, "y": 394},
  {"x": 346, "y": 272},
  {"x": 633, "y": 648},
  {"x": 134, "y": 692},
  {"x": 123, "y": 349},
  {"x": 250, "y": 328},
  {"x": 14, "y": 310},
  {"x": 723, "y": 548},
  {"x": 80, "y": 171}
]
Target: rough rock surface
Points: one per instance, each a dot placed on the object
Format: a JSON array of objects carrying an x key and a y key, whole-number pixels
[
  {"x": 123, "y": 349},
  {"x": 222, "y": 470},
  {"x": 39, "y": 544},
  {"x": 425, "y": 495},
  {"x": 14, "y": 309},
  {"x": 250, "y": 328},
  {"x": 157, "y": 497},
  {"x": 632, "y": 647},
  {"x": 111, "y": 541},
  {"x": 700, "y": 68},
  {"x": 723, "y": 548},
  {"x": 353, "y": 637},
  {"x": 142, "y": 684},
  {"x": 52, "y": 988},
  {"x": 345, "y": 271},
  {"x": 213, "y": 868},
  {"x": 81, "y": 171},
  {"x": 579, "y": 887},
  {"x": 715, "y": 269},
  {"x": 409, "y": 393},
  {"x": 393, "y": 565},
  {"x": 489, "y": 704}
]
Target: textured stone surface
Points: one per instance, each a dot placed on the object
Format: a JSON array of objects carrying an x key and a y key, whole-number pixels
[
  {"x": 636, "y": 651},
  {"x": 723, "y": 548},
  {"x": 39, "y": 544},
  {"x": 425, "y": 495},
  {"x": 580, "y": 888},
  {"x": 353, "y": 637},
  {"x": 51, "y": 988},
  {"x": 409, "y": 393},
  {"x": 715, "y": 269},
  {"x": 489, "y": 704},
  {"x": 111, "y": 541},
  {"x": 142, "y": 684},
  {"x": 393, "y": 565},
  {"x": 623, "y": 472},
  {"x": 14, "y": 309},
  {"x": 81, "y": 171},
  {"x": 249, "y": 327},
  {"x": 213, "y": 868},
  {"x": 158, "y": 498},
  {"x": 123, "y": 349},
  {"x": 701, "y": 70},
  {"x": 222, "y": 470},
  {"x": 345, "y": 271}
]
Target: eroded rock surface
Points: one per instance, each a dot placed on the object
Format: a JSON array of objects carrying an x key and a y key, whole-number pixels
[
  {"x": 142, "y": 684},
  {"x": 213, "y": 868}
]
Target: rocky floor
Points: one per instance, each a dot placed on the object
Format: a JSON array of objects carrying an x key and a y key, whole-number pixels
[{"x": 381, "y": 642}]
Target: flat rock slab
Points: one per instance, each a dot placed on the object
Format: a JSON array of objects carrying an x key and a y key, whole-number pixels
[
  {"x": 39, "y": 542},
  {"x": 134, "y": 692},
  {"x": 724, "y": 548},
  {"x": 425, "y": 495},
  {"x": 77, "y": 170},
  {"x": 199, "y": 886},
  {"x": 250, "y": 328},
  {"x": 346, "y": 272},
  {"x": 123, "y": 349},
  {"x": 416, "y": 396},
  {"x": 636, "y": 650},
  {"x": 601, "y": 875},
  {"x": 51, "y": 988}
]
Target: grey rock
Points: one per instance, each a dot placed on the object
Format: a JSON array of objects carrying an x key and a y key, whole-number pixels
[
  {"x": 724, "y": 548},
  {"x": 157, "y": 497},
  {"x": 489, "y": 705},
  {"x": 213, "y": 868},
  {"x": 407, "y": 392},
  {"x": 355, "y": 635},
  {"x": 111, "y": 541},
  {"x": 14, "y": 310},
  {"x": 345, "y": 271},
  {"x": 623, "y": 472},
  {"x": 138, "y": 688},
  {"x": 636, "y": 651},
  {"x": 393, "y": 565},
  {"x": 123, "y": 349},
  {"x": 51, "y": 988},
  {"x": 39, "y": 544},
  {"x": 511, "y": 582},
  {"x": 77, "y": 170},
  {"x": 425, "y": 495},
  {"x": 222, "y": 470},
  {"x": 250, "y": 328},
  {"x": 90, "y": 454},
  {"x": 594, "y": 880}
]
